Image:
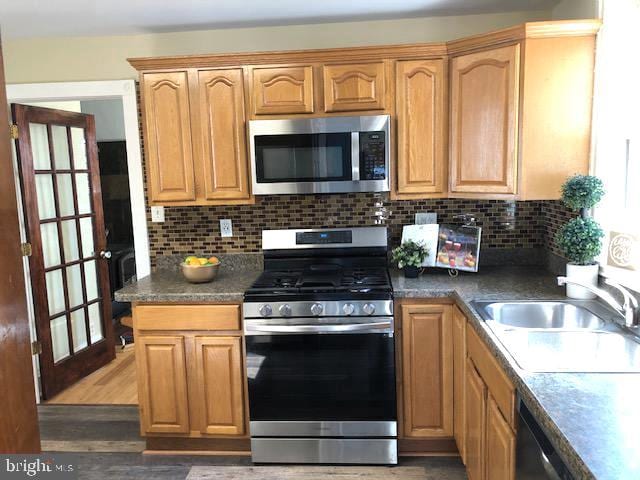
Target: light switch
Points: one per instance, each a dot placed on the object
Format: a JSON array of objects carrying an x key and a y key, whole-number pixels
[{"x": 157, "y": 214}]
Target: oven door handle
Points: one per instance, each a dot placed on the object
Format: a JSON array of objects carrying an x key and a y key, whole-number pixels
[{"x": 374, "y": 327}]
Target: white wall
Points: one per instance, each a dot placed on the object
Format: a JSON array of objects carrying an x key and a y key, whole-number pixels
[
  {"x": 104, "y": 58},
  {"x": 109, "y": 117}
]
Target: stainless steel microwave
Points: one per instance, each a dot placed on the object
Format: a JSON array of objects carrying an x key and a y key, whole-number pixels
[{"x": 320, "y": 155}]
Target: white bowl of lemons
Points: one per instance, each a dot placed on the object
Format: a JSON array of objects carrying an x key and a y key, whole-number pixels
[{"x": 200, "y": 269}]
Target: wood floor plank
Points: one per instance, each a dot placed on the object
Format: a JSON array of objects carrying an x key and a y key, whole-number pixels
[{"x": 113, "y": 384}]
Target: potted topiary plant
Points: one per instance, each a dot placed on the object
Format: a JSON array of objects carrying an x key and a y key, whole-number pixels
[
  {"x": 409, "y": 257},
  {"x": 580, "y": 240}
]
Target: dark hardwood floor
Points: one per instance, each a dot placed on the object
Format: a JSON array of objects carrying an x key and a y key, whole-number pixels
[{"x": 106, "y": 444}]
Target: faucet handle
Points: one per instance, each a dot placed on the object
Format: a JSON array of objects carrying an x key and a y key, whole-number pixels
[{"x": 629, "y": 300}]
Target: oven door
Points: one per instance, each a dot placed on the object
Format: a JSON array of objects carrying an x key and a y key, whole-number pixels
[
  {"x": 319, "y": 155},
  {"x": 320, "y": 379}
]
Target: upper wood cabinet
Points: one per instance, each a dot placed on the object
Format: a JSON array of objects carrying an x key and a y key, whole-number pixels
[
  {"x": 282, "y": 90},
  {"x": 354, "y": 87},
  {"x": 170, "y": 156},
  {"x": 421, "y": 111},
  {"x": 222, "y": 133},
  {"x": 220, "y": 402},
  {"x": 162, "y": 384},
  {"x": 484, "y": 121},
  {"x": 427, "y": 371}
]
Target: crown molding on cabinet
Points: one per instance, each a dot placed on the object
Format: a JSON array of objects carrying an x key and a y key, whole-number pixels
[{"x": 373, "y": 53}]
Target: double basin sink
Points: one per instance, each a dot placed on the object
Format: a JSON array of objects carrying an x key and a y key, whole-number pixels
[{"x": 562, "y": 336}]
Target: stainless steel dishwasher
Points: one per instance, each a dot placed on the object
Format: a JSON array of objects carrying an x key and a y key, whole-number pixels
[{"x": 536, "y": 457}]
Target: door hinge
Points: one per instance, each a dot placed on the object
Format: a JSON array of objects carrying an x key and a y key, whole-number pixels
[
  {"x": 13, "y": 131},
  {"x": 26, "y": 250},
  {"x": 36, "y": 348}
]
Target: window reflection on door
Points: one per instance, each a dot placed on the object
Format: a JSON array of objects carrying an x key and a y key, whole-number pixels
[{"x": 66, "y": 225}]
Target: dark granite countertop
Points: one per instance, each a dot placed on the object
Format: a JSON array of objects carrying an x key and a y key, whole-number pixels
[
  {"x": 170, "y": 286},
  {"x": 592, "y": 418}
]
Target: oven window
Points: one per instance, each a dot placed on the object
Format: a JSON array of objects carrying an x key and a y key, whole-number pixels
[
  {"x": 321, "y": 377},
  {"x": 303, "y": 157}
]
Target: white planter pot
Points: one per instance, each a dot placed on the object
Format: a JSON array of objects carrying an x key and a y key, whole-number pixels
[{"x": 586, "y": 274}]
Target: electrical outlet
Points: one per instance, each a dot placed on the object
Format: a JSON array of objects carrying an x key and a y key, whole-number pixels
[
  {"x": 425, "y": 218},
  {"x": 226, "y": 227},
  {"x": 157, "y": 214}
]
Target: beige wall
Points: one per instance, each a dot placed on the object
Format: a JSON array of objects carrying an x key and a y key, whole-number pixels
[
  {"x": 572, "y": 9},
  {"x": 104, "y": 58}
]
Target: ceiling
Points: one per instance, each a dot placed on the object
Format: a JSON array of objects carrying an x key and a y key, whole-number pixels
[{"x": 49, "y": 18}]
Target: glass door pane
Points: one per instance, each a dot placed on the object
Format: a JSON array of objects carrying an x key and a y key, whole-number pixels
[
  {"x": 95, "y": 322},
  {"x": 60, "y": 147},
  {"x": 50, "y": 244},
  {"x": 79, "y": 330},
  {"x": 60, "y": 338},
  {"x": 40, "y": 146}
]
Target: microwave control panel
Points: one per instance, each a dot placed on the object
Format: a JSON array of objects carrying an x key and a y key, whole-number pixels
[{"x": 372, "y": 156}]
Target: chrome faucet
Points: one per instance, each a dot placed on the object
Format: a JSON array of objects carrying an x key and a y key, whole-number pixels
[{"x": 629, "y": 309}]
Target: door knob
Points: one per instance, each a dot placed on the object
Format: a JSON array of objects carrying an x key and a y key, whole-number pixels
[{"x": 105, "y": 254}]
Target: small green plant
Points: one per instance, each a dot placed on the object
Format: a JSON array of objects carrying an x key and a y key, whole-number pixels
[
  {"x": 409, "y": 254},
  {"x": 581, "y": 238},
  {"x": 581, "y": 192}
]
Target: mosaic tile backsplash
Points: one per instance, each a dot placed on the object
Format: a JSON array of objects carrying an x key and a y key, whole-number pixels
[{"x": 506, "y": 225}]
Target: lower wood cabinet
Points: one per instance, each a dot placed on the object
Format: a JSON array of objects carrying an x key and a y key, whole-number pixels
[
  {"x": 459, "y": 374},
  {"x": 427, "y": 371},
  {"x": 191, "y": 381},
  {"x": 489, "y": 437},
  {"x": 220, "y": 402},
  {"x": 162, "y": 384}
]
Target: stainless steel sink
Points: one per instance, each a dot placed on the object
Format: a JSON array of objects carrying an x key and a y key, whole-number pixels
[
  {"x": 562, "y": 336},
  {"x": 546, "y": 315}
]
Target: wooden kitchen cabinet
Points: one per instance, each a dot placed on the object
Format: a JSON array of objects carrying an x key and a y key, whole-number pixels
[
  {"x": 196, "y": 145},
  {"x": 484, "y": 121},
  {"x": 191, "y": 379},
  {"x": 421, "y": 111},
  {"x": 459, "y": 375},
  {"x": 475, "y": 418},
  {"x": 489, "y": 405},
  {"x": 162, "y": 383},
  {"x": 282, "y": 90},
  {"x": 521, "y": 109},
  {"x": 427, "y": 371},
  {"x": 169, "y": 150},
  {"x": 354, "y": 87},
  {"x": 220, "y": 402},
  {"x": 222, "y": 133},
  {"x": 501, "y": 445}
]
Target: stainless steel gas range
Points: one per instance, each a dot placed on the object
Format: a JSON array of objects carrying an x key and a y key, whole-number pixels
[{"x": 320, "y": 349}]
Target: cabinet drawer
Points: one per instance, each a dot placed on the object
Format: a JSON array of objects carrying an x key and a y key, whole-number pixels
[
  {"x": 187, "y": 317},
  {"x": 496, "y": 380}
]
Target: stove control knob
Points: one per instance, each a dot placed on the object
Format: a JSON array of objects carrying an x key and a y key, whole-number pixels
[
  {"x": 266, "y": 311},
  {"x": 316, "y": 309},
  {"x": 285, "y": 310},
  {"x": 369, "y": 308},
  {"x": 348, "y": 308}
]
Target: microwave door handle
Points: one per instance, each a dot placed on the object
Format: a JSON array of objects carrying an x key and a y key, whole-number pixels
[
  {"x": 355, "y": 156},
  {"x": 335, "y": 328}
]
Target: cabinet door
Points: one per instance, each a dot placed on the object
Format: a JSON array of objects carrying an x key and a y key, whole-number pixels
[
  {"x": 218, "y": 364},
  {"x": 427, "y": 366},
  {"x": 282, "y": 90},
  {"x": 475, "y": 406},
  {"x": 501, "y": 445},
  {"x": 484, "y": 121},
  {"x": 168, "y": 136},
  {"x": 459, "y": 369},
  {"x": 421, "y": 111},
  {"x": 162, "y": 384},
  {"x": 354, "y": 87},
  {"x": 222, "y": 133}
]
